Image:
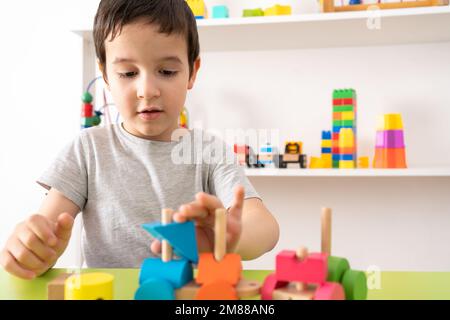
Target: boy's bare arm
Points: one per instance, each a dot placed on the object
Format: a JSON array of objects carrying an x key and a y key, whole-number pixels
[
  {"x": 36, "y": 243},
  {"x": 260, "y": 230}
]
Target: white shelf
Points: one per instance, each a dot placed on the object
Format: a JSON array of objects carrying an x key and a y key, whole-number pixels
[
  {"x": 320, "y": 30},
  {"x": 410, "y": 172}
]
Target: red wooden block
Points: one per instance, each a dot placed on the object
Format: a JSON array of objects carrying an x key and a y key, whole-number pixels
[
  {"x": 220, "y": 290},
  {"x": 270, "y": 284},
  {"x": 330, "y": 291},
  {"x": 210, "y": 270},
  {"x": 313, "y": 269}
]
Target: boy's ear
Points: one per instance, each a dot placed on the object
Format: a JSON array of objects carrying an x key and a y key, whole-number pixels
[
  {"x": 195, "y": 68},
  {"x": 102, "y": 69}
]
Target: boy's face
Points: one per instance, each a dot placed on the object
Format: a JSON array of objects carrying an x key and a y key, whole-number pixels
[{"x": 148, "y": 75}]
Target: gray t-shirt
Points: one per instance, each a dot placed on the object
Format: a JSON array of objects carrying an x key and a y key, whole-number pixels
[{"x": 121, "y": 181}]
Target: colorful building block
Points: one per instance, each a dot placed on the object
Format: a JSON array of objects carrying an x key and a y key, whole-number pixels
[
  {"x": 55, "y": 288},
  {"x": 391, "y": 121},
  {"x": 253, "y": 12},
  {"x": 210, "y": 270},
  {"x": 312, "y": 269},
  {"x": 278, "y": 10},
  {"x": 270, "y": 284},
  {"x": 390, "y": 158},
  {"x": 355, "y": 285},
  {"x": 329, "y": 291},
  {"x": 155, "y": 289},
  {"x": 390, "y": 139},
  {"x": 336, "y": 268},
  {"x": 176, "y": 272},
  {"x": 89, "y": 286},
  {"x": 219, "y": 12},
  {"x": 218, "y": 290},
  {"x": 363, "y": 162},
  {"x": 198, "y": 8}
]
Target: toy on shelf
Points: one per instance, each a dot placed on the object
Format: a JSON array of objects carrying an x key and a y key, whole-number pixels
[
  {"x": 219, "y": 274},
  {"x": 89, "y": 116},
  {"x": 278, "y": 10},
  {"x": 246, "y": 156},
  {"x": 300, "y": 275},
  {"x": 326, "y": 149},
  {"x": 344, "y": 117},
  {"x": 390, "y": 144},
  {"x": 219, "y": 12},
  {"x": 328, "y": 5},
  {"x": 268, "y": 156},
  {"x": 89, "y": 286},
  {"x": 198, "y": 8},
  {"x": 258, "y": 12},
  {"x": 292, "y": 155},
  {"x": 363, "y": 162}
]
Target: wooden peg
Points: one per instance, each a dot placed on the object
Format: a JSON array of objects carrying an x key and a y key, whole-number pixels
[
  {"x": 166, "y": 218},
  {"x": 220, "y": 234},
  {"x": 301, "y": 253},
  {"x": 326, "y": 230}
]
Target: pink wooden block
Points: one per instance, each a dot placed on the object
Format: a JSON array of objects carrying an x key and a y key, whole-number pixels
[
  {"x": 313, "y": 269},
  {"x": 330, "y": 291},
  {"x": 270, "y": 284}
]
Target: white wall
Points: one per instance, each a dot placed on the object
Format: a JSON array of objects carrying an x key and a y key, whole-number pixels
[{"x": 397, "y": 224}]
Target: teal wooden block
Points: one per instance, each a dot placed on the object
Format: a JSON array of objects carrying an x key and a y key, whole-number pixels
[
  {"x": 220, "y": 12},
  {"x": 181, "y": 237},
  {"x": 155, "y": 289},
  {"x": 176, "y": 272}
]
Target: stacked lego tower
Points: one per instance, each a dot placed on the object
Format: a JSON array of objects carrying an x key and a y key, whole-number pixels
[
  {"x": 390, "y": 144},
  {"x": 344, "y": 117},
  {"x": 326, "y": 149},
  {"x": 89, "y": 117}
]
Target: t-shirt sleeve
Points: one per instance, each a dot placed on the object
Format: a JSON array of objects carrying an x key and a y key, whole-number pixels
[
  {"x": 68, "y": 173},
  {"x": 226, "y": 175}
]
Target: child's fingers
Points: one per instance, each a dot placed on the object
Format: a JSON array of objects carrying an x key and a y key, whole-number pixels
[
  {"x": 41, "y": 227},
  {"x": 155, "y": 247},
  {"x": 64, "y": 226},
  {"x": 191, "y": 210},
  {"x": 210, "y": 202},
  {"x": 33, "y": 243},
  {"x": 24, "y": 256},
  {"x": 11, "y": 265},
  {"x": 238, "y": 203}
]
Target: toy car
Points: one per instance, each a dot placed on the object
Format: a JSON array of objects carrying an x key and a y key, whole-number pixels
[{"x": 292, "y": 154}]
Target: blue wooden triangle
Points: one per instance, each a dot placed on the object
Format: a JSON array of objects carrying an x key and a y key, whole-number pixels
[{"x": 181, "y": 237}]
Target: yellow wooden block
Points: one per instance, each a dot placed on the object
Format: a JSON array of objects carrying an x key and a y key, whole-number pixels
[
  {"x": 326, "y": 144},
  {"x": 89, "y": 286},
  {"x": 278, "y": 10},
  {"x": 348, "y": 115},
  {"x": 363, "y": 162},
  {"x": 315, "y": 163},
  {"x": 346, "y": 164},
  {"x": 198, "y": 7},
  {"x": 346, "y": 138},
  {"x": 392, "y": 121}
]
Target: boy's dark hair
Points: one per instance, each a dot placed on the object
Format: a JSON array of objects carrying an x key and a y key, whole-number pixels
[{"x": 172, "y": 17}]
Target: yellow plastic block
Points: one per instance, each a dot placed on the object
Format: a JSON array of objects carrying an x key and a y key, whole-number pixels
[
  {"x": 326, "y": 144},
  {"x": 278, "y": 10},
  {"x": 363, "y": 162},
  {"x": 89, "y": 286},
  {"x": 348, "y": 115},
  {"x": 198, "y": 7},
  {"x": 327, "y": 161},
  {"x": 391, "y": 121},
  {"x": 346, "y": 138},
  {"x": 315, "y": 163},
  {"x": 346, "y": 164}
]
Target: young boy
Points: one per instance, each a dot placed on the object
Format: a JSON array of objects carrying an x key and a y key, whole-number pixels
[{"x": 121, "y": 176}]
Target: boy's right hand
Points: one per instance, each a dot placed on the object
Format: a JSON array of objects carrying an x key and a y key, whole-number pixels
[{"x": 35, "y": 245}]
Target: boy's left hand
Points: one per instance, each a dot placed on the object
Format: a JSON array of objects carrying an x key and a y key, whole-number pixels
[{"x": 202, "y": 211}]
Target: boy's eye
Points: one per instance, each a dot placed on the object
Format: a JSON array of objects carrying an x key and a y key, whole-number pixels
[
  {"x": 168, "y": 73},
  {"x": 127, "y": 74}
]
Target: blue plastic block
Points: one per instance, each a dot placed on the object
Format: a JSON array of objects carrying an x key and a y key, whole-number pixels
[
  {"x": 181, "y": 237},
  {"x": 176, "y": 272},
  {"x": 326, "y": 150},
  {"x": 266, "y": 149},
  {"x": 336, "y": 157},
  {"x": 346, "y": 157},
  {"x": 155, "y": 289},
  {"x": 326, "y": 135},
  {"x": 220, "y": 12},
  {"x": 352, "y": 2}
]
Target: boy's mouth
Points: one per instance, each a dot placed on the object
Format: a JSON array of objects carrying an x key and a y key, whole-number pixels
[{"x": 152, "y": 113}]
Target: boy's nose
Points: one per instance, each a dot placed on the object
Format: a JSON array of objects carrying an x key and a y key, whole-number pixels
[{"x": 148, "y": 89}]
